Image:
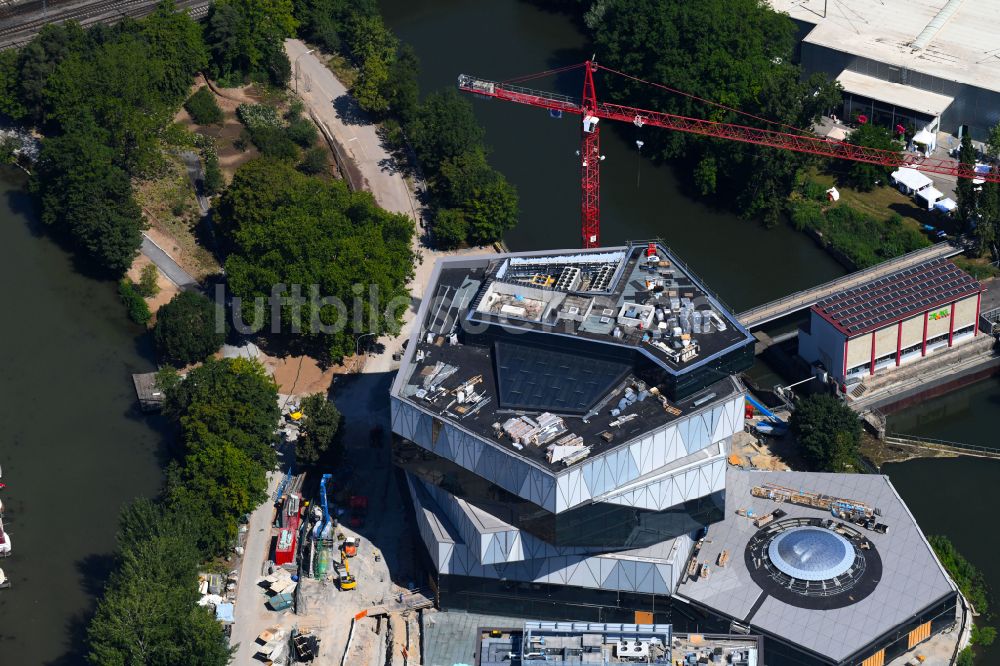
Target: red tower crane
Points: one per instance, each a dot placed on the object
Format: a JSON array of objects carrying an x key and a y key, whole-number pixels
[{"x": 593, "y": 111}]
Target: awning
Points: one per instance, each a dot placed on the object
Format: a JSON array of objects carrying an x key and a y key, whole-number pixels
[
  {"x": 924, "y": 138},
  {"x": 911, "y": 178},
  {"x": 897, "y": 94},
  {"x": 930, "y": 195}
]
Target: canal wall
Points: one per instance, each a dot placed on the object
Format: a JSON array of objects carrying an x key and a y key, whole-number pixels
[{"x": 984, "y": 369}]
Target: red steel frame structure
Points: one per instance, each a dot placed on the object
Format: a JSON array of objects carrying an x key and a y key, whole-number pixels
[{"x": 594, "y": 110}]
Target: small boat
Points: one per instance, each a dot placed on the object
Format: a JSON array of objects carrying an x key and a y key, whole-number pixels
[
  {"x": 5, "y": 545},
  {"x": 4, "y": 581}
]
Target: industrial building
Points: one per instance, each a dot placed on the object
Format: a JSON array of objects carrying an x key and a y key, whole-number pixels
[
  {"x": 892, "y": 321},
  {"x": 931, "y": 64},
  {"x": 564, "y": 420}
]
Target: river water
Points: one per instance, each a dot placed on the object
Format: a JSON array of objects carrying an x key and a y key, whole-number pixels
[
  {"x": 73, "y": 447},
  {"x": 746, "y": 264}
]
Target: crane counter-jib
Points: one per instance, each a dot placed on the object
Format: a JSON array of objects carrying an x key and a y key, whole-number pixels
[{"x": 519, "y": 94}]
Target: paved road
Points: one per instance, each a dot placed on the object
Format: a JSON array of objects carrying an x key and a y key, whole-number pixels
[
  {"x": 251, "y": 615},
  {"x": 167, "y": 265},
  {"x": 352, "y": 129}
]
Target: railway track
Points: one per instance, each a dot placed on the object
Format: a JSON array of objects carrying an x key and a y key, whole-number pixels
[{"x": 19, "y": 24}]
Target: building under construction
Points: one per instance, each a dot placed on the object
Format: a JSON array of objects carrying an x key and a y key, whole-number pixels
[{"x": 564, "y": 419}]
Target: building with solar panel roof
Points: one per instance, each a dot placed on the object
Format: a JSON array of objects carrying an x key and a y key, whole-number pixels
[
  {"x": 899, "y": 319},
  {"x": 563, "y": 420}
]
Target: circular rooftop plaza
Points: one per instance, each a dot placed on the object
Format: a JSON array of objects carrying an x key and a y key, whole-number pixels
[
  {"x": 811, "y": 553},
  {"x": 815, "y": 563}
]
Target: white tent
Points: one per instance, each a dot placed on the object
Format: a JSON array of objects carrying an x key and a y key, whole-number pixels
[
  {"x": 946, "y": 205},
  {"x": 910, "y": 179},
  {"x": 925, "y": 138},
  {"x": 929, "y": 196}
]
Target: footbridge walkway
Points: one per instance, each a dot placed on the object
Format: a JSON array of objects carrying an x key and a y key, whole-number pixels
[
  {"x": 806, "y": 298},
  {"x": 941, "y": 446}
]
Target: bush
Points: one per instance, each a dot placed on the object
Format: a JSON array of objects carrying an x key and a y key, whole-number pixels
[
  {"x": 314, "y": 161},
  {"x": 302, "y": 132},
  {"x": 147, "y": 286},
  {"x": 214, "y": 181},
  {"x": 968, "y": 578},
  {"x": 805, "y": 214},
  {"x": 202, "y": 107},
  {"x": 983, "y": 634},
  {"x": 274, "y": 142},
  {"x": 186, "y": 329},
  {"x": 812, "y": 190},
  {"x": 134, "y": 303},
  {"x": 257, "y": 115}
]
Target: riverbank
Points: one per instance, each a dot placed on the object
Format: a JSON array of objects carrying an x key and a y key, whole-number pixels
[{"x": 70, "y": 340}]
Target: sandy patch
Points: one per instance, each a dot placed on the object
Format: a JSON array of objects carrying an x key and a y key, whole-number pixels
[{"x": 167, "y": 288}]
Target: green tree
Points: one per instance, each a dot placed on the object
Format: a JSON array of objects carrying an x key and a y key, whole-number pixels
[
  {"x": 283, "y": 227},
  {"x": 187, "y": 329},
  {"x": 245, "y": 37},
  {"x": 319, "y": 430},
  {"x": 491, "y": 212},
  {"x": 203, "y": 108},
  {"x": 135, "y": 304},
  {"x": 828, "y": 432},
  {"x": 966, "y": 658},
  {"x": 217, "y": 484},
  {"x": 148, "y": 278},
  {"x": 148, "y": 613},
  {"x": 11, "y": 106},
  {"x": 451, "y": 229},
  {"x": 373, "y": 48},
  {"x": 444, "y": 127},
  {"x": 863, "y": 176},
  {"x": 214, "y": 181},
  {"x": 965, "y": 191},
  {"x": 401, "y": 88},
  {"x": 86, "y": 197},
  {"x": 738, "y": 53},
  {"x": 232, "y": 400},
  {"x": 314, "y": 161},
  {"x": 462, "y": 176}
]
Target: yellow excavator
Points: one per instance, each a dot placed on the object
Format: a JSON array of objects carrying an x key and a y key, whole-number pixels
[{"x": 347, "y": 581}]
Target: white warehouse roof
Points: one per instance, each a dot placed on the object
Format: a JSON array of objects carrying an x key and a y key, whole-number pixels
[{"x": 950, "y": 39}]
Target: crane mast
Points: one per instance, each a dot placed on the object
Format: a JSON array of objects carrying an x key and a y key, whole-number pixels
[{"x": 593, "y": 111}]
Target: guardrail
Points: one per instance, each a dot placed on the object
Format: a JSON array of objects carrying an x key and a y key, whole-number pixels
[{"x": 940, "y": 444}]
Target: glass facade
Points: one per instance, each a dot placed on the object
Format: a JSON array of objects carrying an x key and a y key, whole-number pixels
[{"x": 598, "y": 525}]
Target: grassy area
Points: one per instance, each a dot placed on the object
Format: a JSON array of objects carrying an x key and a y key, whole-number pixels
[
  {"x": 170, "y": 201},
  {"x": 342, "y": 69},
  {"x": 979, "y": 268},
  {"x": 879, "y": 203}
]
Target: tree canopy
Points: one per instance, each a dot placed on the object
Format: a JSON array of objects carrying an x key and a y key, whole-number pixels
[
  {"x": 187, "y": 329},
  {"x": 863, "y": 176},
  {"x": 227, "y": 411},
  {"x": 148, "y": 613},
  {"x": 320, "y": 430},
  {"x": 828, "y": 432},
  {"x": 102, "y": 97},
  {"x": 246, "y": 40},
  {"x": 285, "y": 228},
  {"x": 738, "y": 53}
]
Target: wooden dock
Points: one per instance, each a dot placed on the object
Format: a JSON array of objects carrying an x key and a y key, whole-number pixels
[{"x": 150, "y": 397}]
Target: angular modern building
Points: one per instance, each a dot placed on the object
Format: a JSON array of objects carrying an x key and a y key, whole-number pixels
[{"x": 564, "y": 420}]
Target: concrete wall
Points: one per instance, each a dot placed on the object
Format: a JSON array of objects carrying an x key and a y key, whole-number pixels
[
  {"x": 859, "y": 350},
  {"x": 823, "y": 343},
  {"x": 965, "y": 312},
  {"x": 886, "y": 340},
  {"x": 913, "y": 331}
]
